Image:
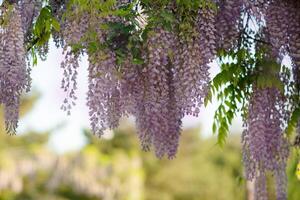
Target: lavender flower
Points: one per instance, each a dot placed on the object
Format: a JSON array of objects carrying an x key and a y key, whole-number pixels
[
  {"x": 74, "y": 29},
  {"x": 13, "y": 69},
  {"x": 228, "y": 22},
  {"x": 264, "y": 146},
  {"x": 260, "y": 187}
]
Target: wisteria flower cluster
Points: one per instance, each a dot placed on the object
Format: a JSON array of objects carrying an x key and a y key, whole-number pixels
[
  {"x": 13, "y": 69},
  {"x": 264, "y": 146}
]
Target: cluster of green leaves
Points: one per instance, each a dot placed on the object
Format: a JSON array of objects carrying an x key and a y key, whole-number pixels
[
  {"x": 294, "y": 100},
  {"x": 187, "y": 12},
  {"x": 43, "y": 26},
  {"x": 249, "y": 65},
  {"x": 42, "y": 29},
  {"x": 4, "y": 17},
  {"x": 179, "y": 15},
  {"x": 241, "y": 70},
  {"x": 293, "y": 122},
  {"x": 123, "y": 38},
  {"x": 268, "y": 75},
  {"x": 75, "y": 8},
  {"x": 232, "y": 87},
  {"x": 127, "y": 38}
]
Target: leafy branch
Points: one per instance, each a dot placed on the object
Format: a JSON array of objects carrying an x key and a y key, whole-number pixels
[{"x": 231, "y": 87}]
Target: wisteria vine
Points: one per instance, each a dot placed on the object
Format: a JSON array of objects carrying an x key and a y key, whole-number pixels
[{"x": 150, "y": 59}]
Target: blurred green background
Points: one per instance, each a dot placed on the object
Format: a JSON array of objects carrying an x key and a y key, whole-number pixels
[{"x": 116, "y": 169}]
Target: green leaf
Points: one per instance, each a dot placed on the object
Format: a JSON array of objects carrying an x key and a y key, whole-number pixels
[
  {"x": 293, "y": 122},
  {"x": 214, "y": 127},
  {"x": 138, "y": 61},
  {"x": 55, "y": 25},
  {"x": 208, "y": 98}
]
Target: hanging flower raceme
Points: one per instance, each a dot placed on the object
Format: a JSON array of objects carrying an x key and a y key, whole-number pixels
[
  {"x": 161, "y": 120},
  {"x": 105, "y": 100},
  {"x": 277, "y": 22},
  {"x": 260, "y": 187},
  {"x": 74, "y": 29},
  {"x": 103, "y": 94},
  {"x": 30, "y": 9},
  {"x": 293, "y": 32},
  {"x": 228, "y": 23},
  {"x": 190, "y": 59},
  {"x": 13, "y": 70},
  {"x": 58, "y": 8},
  {"x": 264, "y": 145}
]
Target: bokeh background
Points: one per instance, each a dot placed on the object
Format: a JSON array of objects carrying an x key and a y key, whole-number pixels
[{"x": 56, "y": 157}]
